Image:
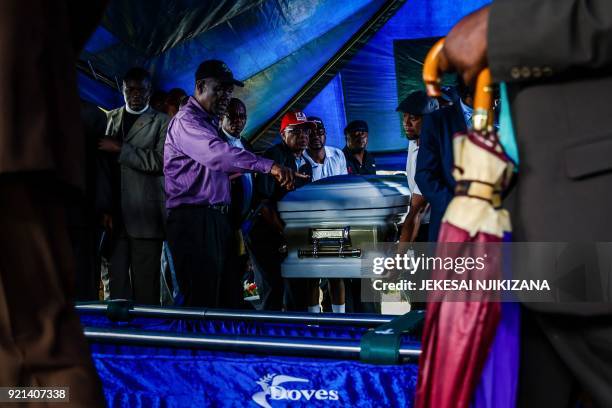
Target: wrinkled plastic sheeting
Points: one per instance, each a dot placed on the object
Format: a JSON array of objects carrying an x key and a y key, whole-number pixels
[
  {"x": 276, "y": 46},
  {"x": 370, "y": 79}
]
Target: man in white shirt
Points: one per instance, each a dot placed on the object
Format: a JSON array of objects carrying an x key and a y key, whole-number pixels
[
  {"x": 326, "y": 161},
  {"x": 413, "y": 107}
]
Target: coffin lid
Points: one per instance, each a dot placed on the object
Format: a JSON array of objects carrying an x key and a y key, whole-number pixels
[{"x": 348, "y": 192}]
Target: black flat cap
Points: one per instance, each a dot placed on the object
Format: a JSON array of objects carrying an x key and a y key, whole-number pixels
[
  {"x": 216, "y": 69},
  {"x": 418, "y": 103},
  {"x": 317, "y": 120},
  {"x": 356, "y": 125}
]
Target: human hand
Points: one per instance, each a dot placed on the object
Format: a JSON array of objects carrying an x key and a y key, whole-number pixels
[
  {"x": 465, "y": 46},
  {"x": 285, "y": 176}
]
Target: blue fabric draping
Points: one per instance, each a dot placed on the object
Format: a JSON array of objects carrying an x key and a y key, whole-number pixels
[
  {"x": 134, "y": 376},
  {"x": 329, "y": 106},
  {"x": 370, "y": 78},
  {"x": 276, "y": 47},
  {"x": 145, "y": 377}
]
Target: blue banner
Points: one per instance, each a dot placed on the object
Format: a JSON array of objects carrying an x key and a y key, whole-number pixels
[
  {"x": 161, "y": 377},
  {"x": 134, "y": 376}
]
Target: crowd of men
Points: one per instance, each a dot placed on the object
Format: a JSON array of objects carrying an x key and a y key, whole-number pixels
[{"x": 173, "y": 179}]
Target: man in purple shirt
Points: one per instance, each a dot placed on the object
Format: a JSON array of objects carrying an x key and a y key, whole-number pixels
[{"x": 198, "y": 163}]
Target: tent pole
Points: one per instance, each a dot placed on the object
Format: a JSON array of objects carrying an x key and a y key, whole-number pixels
[
  {"x": 311, "y": 347},
  {"x": 355, "y": 320},
  {"x": 380, "y": 17}
]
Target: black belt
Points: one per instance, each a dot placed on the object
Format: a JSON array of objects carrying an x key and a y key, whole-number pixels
[{"x": 222, "y": 208}]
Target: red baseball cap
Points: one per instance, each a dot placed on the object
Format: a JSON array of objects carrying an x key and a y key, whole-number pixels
[{"x": 295, "y": 118}]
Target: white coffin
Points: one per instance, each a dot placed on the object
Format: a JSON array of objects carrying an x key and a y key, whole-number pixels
[{"x": 365, "y": 210}]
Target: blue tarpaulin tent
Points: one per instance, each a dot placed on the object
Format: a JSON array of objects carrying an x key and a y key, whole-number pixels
[
  {"x": 339, "y": 60},
  {"x": 335, "y": 59}
]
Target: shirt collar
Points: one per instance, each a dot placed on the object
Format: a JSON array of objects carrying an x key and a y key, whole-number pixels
[
  {"x": 413, "y": 146},
  {"x": 311, "y": 160},
  {"x": 193, "y": 103},
  {"x": 133, "y": 112},
  {"x": 229, "y": 137}
]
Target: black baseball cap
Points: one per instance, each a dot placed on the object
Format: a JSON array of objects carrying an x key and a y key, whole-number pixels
[
  {"x": 317, "y": 121},
  {"x": 216, "y": 69},
  {"x": 355, "y": 126},
  {"x": 417, "y": 103}
]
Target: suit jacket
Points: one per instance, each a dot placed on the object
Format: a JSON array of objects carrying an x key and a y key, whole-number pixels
[
  {"x": 266, "y": 186},
  {"x": 434, "y": 167},
  {"x": 556, "y": 57},
  {"x": 40, "y": 128},
  {"x": 141, "y": 171}
]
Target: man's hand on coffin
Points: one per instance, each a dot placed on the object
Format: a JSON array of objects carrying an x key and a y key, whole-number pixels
[
  {"x": 465, "y": 46},
  {"x": 285, "y": 176}
]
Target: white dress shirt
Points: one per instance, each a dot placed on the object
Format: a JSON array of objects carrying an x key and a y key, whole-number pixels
[
  {"x": 413, "y": 150},
  {"x": 334, "y": 164}
]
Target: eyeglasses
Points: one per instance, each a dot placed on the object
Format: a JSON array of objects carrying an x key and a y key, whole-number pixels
[{"x": 298, "y": 131}]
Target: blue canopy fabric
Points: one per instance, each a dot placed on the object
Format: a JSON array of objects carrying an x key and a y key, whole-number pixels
[
  {"x": 145, "y": 376},
  {"x": 276, "y": 47}
]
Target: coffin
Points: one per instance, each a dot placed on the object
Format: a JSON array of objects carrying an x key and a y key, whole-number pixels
[{"x": 331, "y": 222}]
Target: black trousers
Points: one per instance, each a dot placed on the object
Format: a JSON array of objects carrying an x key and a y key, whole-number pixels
[
  {"x": 422, "y": 236},
  {"x": 202, "y": 244},
  {"x": 264, "y": 245},
  {"x": 135, "y": 269},
  {"x": 565, "y": 359},
  {"x": 87, "y": 271},
  {"x": 354, "y": 303},
  {"x": 274, "y": 291}
]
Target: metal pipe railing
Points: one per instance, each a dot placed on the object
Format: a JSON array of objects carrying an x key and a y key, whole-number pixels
[
  {"x": 361, "y": 320},
  {"x": 311, "y": 347}
]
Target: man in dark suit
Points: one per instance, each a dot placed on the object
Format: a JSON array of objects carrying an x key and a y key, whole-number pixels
[
  {"x": 134, "y": 211},
  {"x": 41, "y": 153},
  {"x": 266, "y": 236},
  {"x": 434, "y": 168},
  {"x": 555, "y": 58}
]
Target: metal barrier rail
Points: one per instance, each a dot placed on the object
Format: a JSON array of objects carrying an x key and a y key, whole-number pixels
[
  {"x": 361, "y": 320},
  {"x": 311, "y": 347}
]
